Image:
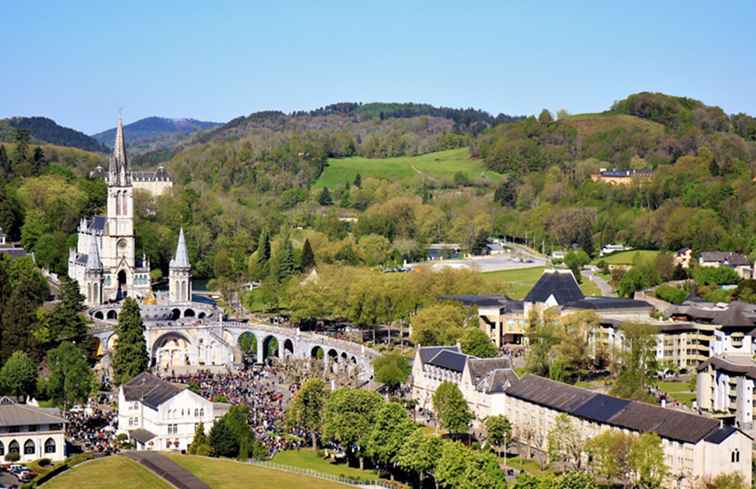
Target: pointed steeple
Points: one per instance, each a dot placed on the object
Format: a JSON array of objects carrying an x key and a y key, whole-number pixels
[
  {"x": 181, "y": 259},
  {"x": 118, "y": 171},
  {"x": 93, "y": 258}
]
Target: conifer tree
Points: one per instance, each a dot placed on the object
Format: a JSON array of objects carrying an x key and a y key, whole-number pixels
[
  {"x": 39, "y": 162},
  {"x": 358, "y": 180},
  {"x": 5, "y": 164},
  {"x": 65, "y": 322},
  {"x": 262, "y": 267},
  {"x": 307, "y": 261},
  {"x": 19, "y": 375},
  {"x": 285, "y": 265},
  {"x": 130, "y": 357},
  {"x": 325, "y": 197}
]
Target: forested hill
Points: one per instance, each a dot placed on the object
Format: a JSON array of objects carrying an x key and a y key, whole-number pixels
[
  {"x": 154, "y": 128},
  {"x": 44, "y": 130}
]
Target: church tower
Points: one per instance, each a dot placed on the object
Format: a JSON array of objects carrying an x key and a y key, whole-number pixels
[
  {"x": 118, "y": 240},
  {"x": 93, "y": 275},
  {"x": 180, "y": 273}
]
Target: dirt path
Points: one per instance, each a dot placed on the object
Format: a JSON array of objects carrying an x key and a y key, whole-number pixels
[{"x": 168, "y": 470}]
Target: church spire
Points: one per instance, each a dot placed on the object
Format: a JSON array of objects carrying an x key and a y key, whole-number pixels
[
  {"x": 180, "y": 260},
  {"x": 93, "y": 258},
  {"x": 118, "y": 162}
]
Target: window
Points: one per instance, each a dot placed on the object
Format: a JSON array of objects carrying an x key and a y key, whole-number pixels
[
  {"x": 2, "y": 449},
  {"x": 29, "y": 448},
  {"x": 196, "y": 412},
  {"x": 202, "y": 412},
  {"x": 735, "y": 456},
  {"x": 13, "y": 447},
  {"x": 50, "y": 446}
]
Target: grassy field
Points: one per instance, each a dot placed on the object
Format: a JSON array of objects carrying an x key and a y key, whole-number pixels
[
  {"x": 521, "y": 280},
  {"x": 112, "y": 472},
  {"x": 441, "y": 164},
  {"x": 227, "y": 474},
  {"x": 626, "y": 257},
  {"x": 307, "y": 459},
  {"x": 679, "y": 391}
]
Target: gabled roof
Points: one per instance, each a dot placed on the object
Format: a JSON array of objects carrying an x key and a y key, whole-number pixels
[
  {"x": 481, "y": 367},
  {"x": 449, "y": 360},
  {"x": 561, "y": 284},
  {"x": 632, "y": 415},
  {"x": 150, "y": 390},
  {"x": 726, "y": 258},
  {"x": 500, "y": 380},
  {"x": 603, "y": 303},
  {"x": 428, "y": 352},
  {"x": 141, "y": 435},
  {"x": 12, "y": 414},
  {"x": 721, "y": 434}
]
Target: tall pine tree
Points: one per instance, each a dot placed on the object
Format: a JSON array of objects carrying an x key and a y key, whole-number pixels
[
  {"x": 65, "y": 322},
  {"x": 130, "y": 357},
  {"x": 307, "y": 261},
  {"x": 5, "y": 164},
  {"x": 263, "y": 255}
]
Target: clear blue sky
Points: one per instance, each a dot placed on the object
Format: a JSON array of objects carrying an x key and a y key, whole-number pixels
[{"x": 78, "y": 62}]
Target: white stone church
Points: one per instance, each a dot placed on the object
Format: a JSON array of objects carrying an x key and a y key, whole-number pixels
[{"x": 104, "y": 262}]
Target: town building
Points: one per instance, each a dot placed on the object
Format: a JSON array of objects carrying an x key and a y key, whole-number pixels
[
  {"x": 155, "y": 183},
  {"x": 159, "y": 415},
  {"x": 621, "y": 177},
  {"x": 695, "y": 447},
  {"x": 31, "y": 432},
  {"x": 736, "y": 261}
]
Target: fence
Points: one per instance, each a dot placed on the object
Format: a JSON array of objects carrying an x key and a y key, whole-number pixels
[{"x": 330, "y": 477}]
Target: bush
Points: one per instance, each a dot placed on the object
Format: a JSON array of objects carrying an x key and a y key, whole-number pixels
[
  {"x": 715, "y": 276},
  {"x": 12, "y": 457},
  {"x": 670, "y": 293},
  {"x": 44, "y": 462}
]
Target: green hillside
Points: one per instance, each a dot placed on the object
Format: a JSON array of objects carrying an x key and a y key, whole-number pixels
[{"x": 443, "y": 164}]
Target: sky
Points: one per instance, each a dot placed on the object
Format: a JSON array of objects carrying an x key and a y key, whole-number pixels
[{"x": 79, "y": 63}]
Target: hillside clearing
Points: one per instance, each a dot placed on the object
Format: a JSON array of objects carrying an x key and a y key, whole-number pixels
[
  {"x": 627, "y": 257},
  {"x": 116, "y": 471},
  {"x": 306, "y": 458},
  {"x": 519, "y": 281},
  {"x": 443, "y": 164}
]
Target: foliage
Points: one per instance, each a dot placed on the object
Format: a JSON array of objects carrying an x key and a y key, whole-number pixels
[
  {"x": 130, "y": 357},
  {"x": 477, "y": 343},
  {"x": 419, "y": 453},
  {"x": 451, "y": 408},
  {"x": 391, "y": 369},
  {"x": 715, "y": 276},
  {"x": 746, "y": 291},
  {"x": 498, "y": 430},
  {"x": 461, "y": 467},
  {"x": 566, "y": 443},
  {"x": 391, "y": 428},
  {"x": 647, "y": 460},
  {"x": 610, "y": 455},
  {"x": 439, "y": 324},
  {"x": 559, "y": 346},
  {"x": 18, "y": 377},
  {"x": 200, "y": 443},
  {"x": 71, "y": 380},
  {"x": 348, "y": 416},
  {"x": 306, "y": 408},
  {"x": 727, "y": 480},
  {"x": 638, "y": 365},
  {"x": 670, "y": 293}
]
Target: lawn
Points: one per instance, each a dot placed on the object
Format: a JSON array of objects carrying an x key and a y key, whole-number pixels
[
  {"x": 521, "y": 280},
  {"x": 109, "y": 472},
  {"x": 308, "y": 459},
  {"x": 227, "y": 474},
  {"x": 626, "y": 257},
  {"x": 679, "y": 391},
  {"x": 443, "y": 164}
]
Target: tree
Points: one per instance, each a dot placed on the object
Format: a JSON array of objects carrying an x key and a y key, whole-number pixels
[
  {"x": 451, "y": 465},
  {"x": 506, "y": 193},
  {"x": 610, "y": 456},
  {"x": 28, "y": 290},
  {"x": 65, "y": 322},
  {"x": 325, "y": 197},
  {"x": 223, "y": 442},
  {"x": 637, "y": 363},
  {"x": 419, "y": 453},
  {"x": 438, "y": 324},
  {"x": 483, "y": 470},
  {"x": 480, "y": 242},
  {"x": 565, "y": 443},
  {"x": 647, "y": 461},
  {"x": 262, "y": 256},
  {"x": 475, "y": 342},
  {"x": 284, "y": 263},
  {"x": 18, "y": 377},
  {"x": 130, "y": 357},
  {"x": 451, "y": 408},
  {"x": 498, "y": 431},
  {"x": 391, "y": 428},
  {"x": 727, "y": 480},
  {"x": 200, "y": 443},
  {"x": 545, "y": 117},
  {"x": 358, "y": 180},
  {"x": 307, "y": 260},
  {"x": 71, "y": 380},
  {"x": 348, "y": 417},
  {"x": 391, "y": 369},
  {"x": 305, "y": 410}
]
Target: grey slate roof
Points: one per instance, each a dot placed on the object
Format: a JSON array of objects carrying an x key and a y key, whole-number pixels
[
  {"x": 12, "y": 414},
  {"x": 734, "y": 316},
  {"x": 141, "y": 435},
  {"x": 97, "y": 223},
  {"x": 562, "y": 285},
  {"x": 632, "y": 415},
  {"x": 481, "y": 367},
  {"x": 180, "y": 259},
  {"x": 500, "y": 380},
  {"x": 152, "y": 391},
  {"x": 449, "y": 360},
  {"x": 428, "y": 352},
  {"x": 721, "y": 434},
  {"x": 725, "y": 258},
  {"x": 603, "y": 303}
]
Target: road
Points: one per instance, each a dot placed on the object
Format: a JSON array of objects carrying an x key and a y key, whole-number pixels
[
  {"x": 519, "y": 257},
  {"x": 603, "y": 285}
]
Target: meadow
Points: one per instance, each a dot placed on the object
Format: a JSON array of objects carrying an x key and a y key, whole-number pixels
[
  {"x": 117, "y": 471},
  {"x": 441, "y": 165},
  {"x": 520, "y": 281}
]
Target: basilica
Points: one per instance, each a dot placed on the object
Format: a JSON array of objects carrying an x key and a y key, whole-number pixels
[{"x": 105, "y": 262}]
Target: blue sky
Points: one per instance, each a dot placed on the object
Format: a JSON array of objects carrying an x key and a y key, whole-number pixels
[{"x": 78, "y": 62}]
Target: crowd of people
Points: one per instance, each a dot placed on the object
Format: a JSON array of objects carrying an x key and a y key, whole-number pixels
[
  {"x": 92, "y": 428},
  {"x": 264, "y": 390}
]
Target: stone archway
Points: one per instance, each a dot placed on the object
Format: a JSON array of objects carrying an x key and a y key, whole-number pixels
[
  {"x": 121, "y": 280},
  {"x": 333, "y": 356},
  {"x": 288, "y": 347},
  {"x": 112, "y": 314},
  {"x": 189, "y": 313},
  {"x": 99, "y": 315},
  {"x": 271, "y": 348},
  {"x": 171, "y": 350},
  {"x": 248, "y": 343},
  {"x": 175, "y": 314},
  {"x": 317, "y": 353}
]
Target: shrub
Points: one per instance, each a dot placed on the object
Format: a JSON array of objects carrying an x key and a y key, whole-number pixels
[
  {"x": 670, "y": 293},
  {"x": 44, "y": 462},
  {"x": 12, "y": 457},
  {"x": 715, "y": 276}
]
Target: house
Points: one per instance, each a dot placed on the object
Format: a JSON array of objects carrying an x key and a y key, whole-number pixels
[
  {"x": 621, "y": 177},
  {"x": 159, "y": 415},
  {"x": 613, "y": 248},
  {"x": 736, "y": 261},
  {"x": 501, "y": 318},
  {"x": 31, "y": 432},
  {"x": 682, "y": 257}
]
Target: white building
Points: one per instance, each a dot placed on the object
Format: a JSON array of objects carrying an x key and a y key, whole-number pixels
[
  {"x": 104, "y": 262},
  {"x": 158, "y": 415},
  {"x": 31, "y": 432}
]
